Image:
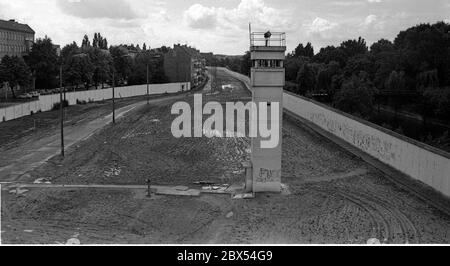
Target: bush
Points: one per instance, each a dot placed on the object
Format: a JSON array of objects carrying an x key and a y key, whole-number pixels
[
  {"x": 56, "y": 106},
  {"x": 81, "y": 102}
]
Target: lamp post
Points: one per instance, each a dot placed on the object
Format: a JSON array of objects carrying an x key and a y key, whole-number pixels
[
  {"x": 62, "y": 98},
  {"x": 148, "y": 89},
  {"x": 61, "y": 107},
  {"x": 148, "y": 75},
  {"x": 113, "y": 89},
  {"x": 113, "y": 97}
]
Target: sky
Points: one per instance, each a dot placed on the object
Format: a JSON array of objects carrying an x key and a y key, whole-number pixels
[{"x": 221, "y": 26}]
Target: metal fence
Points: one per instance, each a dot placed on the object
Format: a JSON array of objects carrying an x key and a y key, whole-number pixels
[{"x": 276, "y": 39}]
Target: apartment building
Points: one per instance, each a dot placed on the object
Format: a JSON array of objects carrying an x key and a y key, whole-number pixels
[
  {"x": 185, "y": 64},
  {"x": 16, "y": 39}
]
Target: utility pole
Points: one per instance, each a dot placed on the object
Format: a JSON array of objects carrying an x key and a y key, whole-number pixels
[
  {"x": 61, "y": 107},
  {"x": 113, "y": 98},
  {"x": 148, "y": 90}
]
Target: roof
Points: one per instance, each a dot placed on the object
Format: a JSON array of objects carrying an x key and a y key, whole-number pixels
[
  {"x": 15, "y": 26},
  {"x": 188, "y": 50}
]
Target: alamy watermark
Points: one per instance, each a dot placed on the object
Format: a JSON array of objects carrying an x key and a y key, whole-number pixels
[{"x": 190, "y": 123}]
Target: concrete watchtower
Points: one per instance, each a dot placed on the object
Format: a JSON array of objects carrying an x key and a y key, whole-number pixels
[{"x": 267, "y": 81}]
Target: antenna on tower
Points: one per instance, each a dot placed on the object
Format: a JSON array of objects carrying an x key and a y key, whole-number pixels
[{"x": 250, "y": 32}]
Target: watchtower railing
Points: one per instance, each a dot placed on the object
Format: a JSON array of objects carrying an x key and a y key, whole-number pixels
[{"x": 276, "y": 39}]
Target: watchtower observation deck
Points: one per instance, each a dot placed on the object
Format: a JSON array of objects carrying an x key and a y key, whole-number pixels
[{"x": 267, "y": 51}]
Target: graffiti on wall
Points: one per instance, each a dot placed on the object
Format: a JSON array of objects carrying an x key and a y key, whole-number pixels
[
  {"x": 267, "y": 175},
  {"x": 369, "y": 143}
]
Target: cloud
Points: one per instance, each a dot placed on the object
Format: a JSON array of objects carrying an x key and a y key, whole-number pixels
[
  {"x": 113, "y": 9},
  {"x": 347, "y": 3},
  {"x": 370, "y": 19},
  {"x": 221, "y": 25},
  {"x": 321, "y": 25},
  {"x": 322, "y": 32},
  {"x": 226, "y": 28},
  {"x": 237, "y": 19},
  {"x": 201, "y": 17}
]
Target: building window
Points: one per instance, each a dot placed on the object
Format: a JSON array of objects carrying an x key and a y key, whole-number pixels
[{"x": 264, "y": 63}]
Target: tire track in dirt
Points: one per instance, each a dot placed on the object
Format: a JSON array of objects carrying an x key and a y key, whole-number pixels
[{"x": 390, "y": 224}]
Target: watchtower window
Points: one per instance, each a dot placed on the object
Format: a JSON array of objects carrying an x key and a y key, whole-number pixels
[{"x": 265, "y": 63}]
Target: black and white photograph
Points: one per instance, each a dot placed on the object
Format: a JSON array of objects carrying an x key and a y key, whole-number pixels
[{"x": 226, "y": 123}]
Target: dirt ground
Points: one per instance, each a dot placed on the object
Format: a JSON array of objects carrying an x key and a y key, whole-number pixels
[
  {"x": 28, "y": 128},
  {"x": 332, "y": 197}
]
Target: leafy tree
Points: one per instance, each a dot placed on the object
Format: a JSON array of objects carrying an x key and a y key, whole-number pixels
[
  {"x": 246, "y": 64},
  {"x": 354, "y": 47},
  {"x": 382, "y": 45},
  {"x": 78, "y": 70},
  {"x": 102, "y": 63},
  {"x": 396, "y": 82},
  {"x": 164, "y": 49},
  {"x": 14, "y": 71},
  {"x": 442, "y": 103},
  {"x": 43, "y": 61},
  {"x": 306, "y": 51},
  {"x": 139, "y": 69},
  {"x": 306, "y": 77},
  {"x": 384, "y": 63},
  {"x": 358, "y": 63},
  {"x": 325, "y": 78},
  {"x": 98, "y": 41},
  {"x": 122, "y": 62},
  {"x": 426, "y": 47},
  {"x": 85, "y": 43},
  {"x": 95, "y": 41},
  {"x": 356, "y": 96},
  {"x": 292, "y": 66},
  {"x": 69, "y": 51},
  {"x": 428, "y": 79},
  {"x": 331, "y": 53},
  {"x": 104, "y": 44}
]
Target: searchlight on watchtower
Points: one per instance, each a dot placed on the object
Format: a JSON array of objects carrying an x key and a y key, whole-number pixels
[{"x": 267, "y": 81}]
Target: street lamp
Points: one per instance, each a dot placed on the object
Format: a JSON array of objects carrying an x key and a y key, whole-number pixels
[
  {"x": 63, "y": 99},
  {"x": 113, "y": 90},
  {"x": 61, "y": 107},
  {"x": 148, "y": 89},
  {"x": 113, "y": 97}
]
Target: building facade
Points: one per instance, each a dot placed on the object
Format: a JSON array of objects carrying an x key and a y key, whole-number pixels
[
  {"x": 16, "y": 39},
  {"x": 185, "y": 64}
]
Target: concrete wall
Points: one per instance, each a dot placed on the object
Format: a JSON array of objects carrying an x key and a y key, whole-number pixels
[
  {"x": 413, "y": 158},
  {"x": 46, "y": 102}
]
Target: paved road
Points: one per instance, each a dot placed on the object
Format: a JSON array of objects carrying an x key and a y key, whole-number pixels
[{"x": 39, "y": 152}]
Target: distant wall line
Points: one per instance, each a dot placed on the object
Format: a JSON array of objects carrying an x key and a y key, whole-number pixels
[{"x": 46, "y": 102}]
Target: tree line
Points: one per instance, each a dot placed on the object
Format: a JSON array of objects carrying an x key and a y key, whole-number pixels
[
  {"x": 91, "y": 64},
  {"x": 412, "y": 72}
]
